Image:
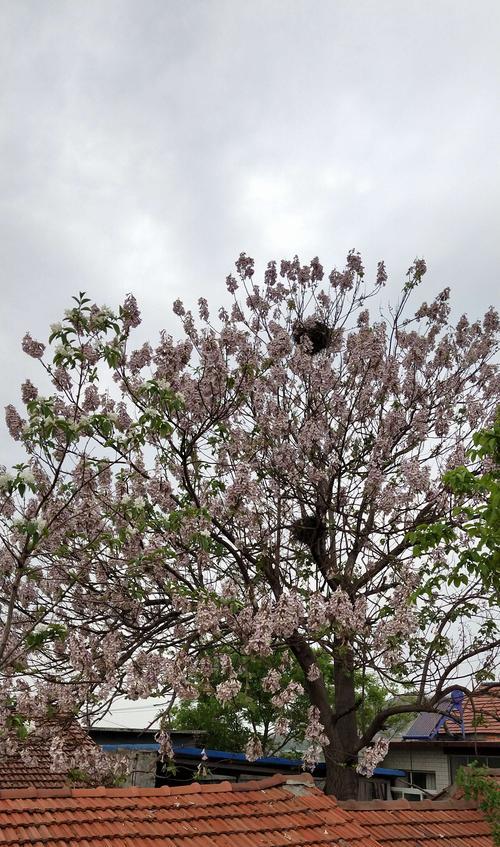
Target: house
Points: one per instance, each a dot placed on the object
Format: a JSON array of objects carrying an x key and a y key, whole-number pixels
[
  {"x": 146, "y": 769},
  {"x": 221, "y": 764},
  {"x": 433, "y": 747},
  {"x": 274, "y": 812},
  {"x": 36, "y": 770},
  {"x": 140, "y": 749}
]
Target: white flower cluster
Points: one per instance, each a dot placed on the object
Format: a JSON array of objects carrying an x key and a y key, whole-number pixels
[
  {"x": 207, "y": 617},
  {"x": 315, "y": 734},
  {"x": 271, "y": 681},
  {"x": 5, "y": 480},
  {"x": 338, "y": 610},
  {"x": 27, "y": 476},
  {"x": 313, "y": 673},
  {"x": 288, "y": 696}
]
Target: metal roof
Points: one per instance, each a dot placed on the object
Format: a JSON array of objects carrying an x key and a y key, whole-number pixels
[{"x": 228, "y": 756}]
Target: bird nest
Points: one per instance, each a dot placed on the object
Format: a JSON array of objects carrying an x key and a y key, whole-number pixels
[{"x": 316, "y": 333}]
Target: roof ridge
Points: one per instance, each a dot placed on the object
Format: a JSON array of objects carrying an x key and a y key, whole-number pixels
[
  {"x": 388, "y": 805},
  {"x": 138, "y": 791},
  {"x": 273, "y": 781},
  {"x": 32, "y": 793}
]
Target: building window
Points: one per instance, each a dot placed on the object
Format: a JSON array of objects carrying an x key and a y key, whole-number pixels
[
  {"x": 426, "y": 780},
  {"x": 412, "y": 794},
  {"x": 418, "y": 785}
]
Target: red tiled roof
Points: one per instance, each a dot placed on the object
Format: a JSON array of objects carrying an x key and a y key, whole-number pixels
[
  {"x": 426, "y": 824},
  {"x": 481, "y": 721},
  {"x": 274, "y": 812},
  {"x": 481, "y": 714},
  {"x": 15, "y": 773}
]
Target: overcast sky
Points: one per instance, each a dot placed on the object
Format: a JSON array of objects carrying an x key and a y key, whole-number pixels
[{"x": 145, "y": 144}]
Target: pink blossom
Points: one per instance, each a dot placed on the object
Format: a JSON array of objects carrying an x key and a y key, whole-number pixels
[
  {"x": 313, "y": 673},
  {"x": 203, "y": 309},
  {"x": 231, "y": 284},
  {"x": 207, "y": 617},
  {"x": 130, "y": 312},
  {"x": 90, "y": 353},
  {"x": 288, "y": 614},
  {"x": 61, "y": 378},
  {"x": 14, "y": 422},
  {"x": 33, "y": 348},
  {"x": 315, "y": 731},
  {"x": 140, "y": 358},
  {"x": 317, "y": 272},
  {"x": 281, "y": 726},
  {"x": 28, "y": 391},
  {"x": 91, "y": 399},
  {"x": 245, "y": 266},
  {"x": 354, "y": 263},
  {"x": 420, "y": 268},
  {"x": 178, "y": 308},
  {"x": 164, "y": 742},
  {"x": 371, "y": 756},
  {"x": 318, "y": 615},
  {"x": 270, "y": 275},
  {"x": 272, "y": 681},
  {"x": 311, "y": 756},
  {"x": 288, "y": 695},
  {"x": 227, "y": 690},
  {"x": 381, "y": 274}
]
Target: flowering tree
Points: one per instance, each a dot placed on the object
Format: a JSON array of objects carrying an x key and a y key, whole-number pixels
[{"x": 251, "y": 487}]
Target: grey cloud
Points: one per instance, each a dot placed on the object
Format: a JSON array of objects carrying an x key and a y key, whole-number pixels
[{"x": 145, "y": 145}]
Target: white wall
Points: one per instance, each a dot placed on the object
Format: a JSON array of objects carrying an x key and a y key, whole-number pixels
[{"x": 430, "y": 761}]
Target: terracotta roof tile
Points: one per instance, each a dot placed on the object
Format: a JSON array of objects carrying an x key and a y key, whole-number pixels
[
  {"x": 263, "y": 813},
  {"x": 425, "y": 824},
  {"x": 481, "y": 714},
  {"x": 15, "y": 773},
  {"x": 274, "y": 812}
]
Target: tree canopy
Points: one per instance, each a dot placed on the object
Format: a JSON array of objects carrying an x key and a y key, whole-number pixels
[{"x": 251, "y": 487}]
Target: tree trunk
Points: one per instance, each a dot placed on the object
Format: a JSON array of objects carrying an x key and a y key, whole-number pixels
[
  {"x": 341, "y": 782},
  {"x": 340, "y": 726},
  {"x": 341, "y": 777}
]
